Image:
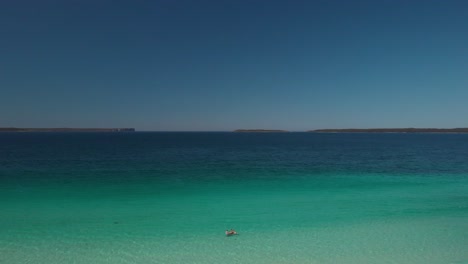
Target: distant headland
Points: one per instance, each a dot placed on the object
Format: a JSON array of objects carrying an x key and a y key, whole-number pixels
[
  {"x": 393, "y": 130},
  {"x": 15, "y": 129},
  {"x": 261, "y": 130}
]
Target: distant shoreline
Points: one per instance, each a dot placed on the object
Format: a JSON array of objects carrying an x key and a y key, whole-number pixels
[
  {"x": 346, "y": 130},
  {"x": 393, "y": 130},
  {"x": 15, "y": 129}
]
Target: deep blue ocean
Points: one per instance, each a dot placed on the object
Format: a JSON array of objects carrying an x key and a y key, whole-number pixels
[{"x": 167, "y": 197}]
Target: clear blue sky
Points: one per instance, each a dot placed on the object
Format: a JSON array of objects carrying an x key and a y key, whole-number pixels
[{"x": 222, "y": 65}]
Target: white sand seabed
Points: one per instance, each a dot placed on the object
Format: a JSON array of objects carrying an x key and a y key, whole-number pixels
[{"x": 415, "y": 241}]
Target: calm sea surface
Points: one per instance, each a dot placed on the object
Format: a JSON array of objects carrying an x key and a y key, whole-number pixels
[{"x": 293, "y": 198}]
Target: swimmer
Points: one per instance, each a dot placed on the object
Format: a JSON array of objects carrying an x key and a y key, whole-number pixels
[{"x": 231, "y": 232}]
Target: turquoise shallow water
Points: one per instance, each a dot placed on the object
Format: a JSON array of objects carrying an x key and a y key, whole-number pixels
[{"x": 293, "y": 198}]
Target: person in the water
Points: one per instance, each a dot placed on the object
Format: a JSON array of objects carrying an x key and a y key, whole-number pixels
[{"x": 231, "y": 232}]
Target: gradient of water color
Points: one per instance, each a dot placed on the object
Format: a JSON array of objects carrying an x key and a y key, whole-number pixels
[{"x": 293, "y": 198}]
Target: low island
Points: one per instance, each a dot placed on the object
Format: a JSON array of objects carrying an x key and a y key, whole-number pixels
[
  {"x": 260, "y": 131},
  {"x": 393, "y": 130},
  {"x": 15, "y": 129}
]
